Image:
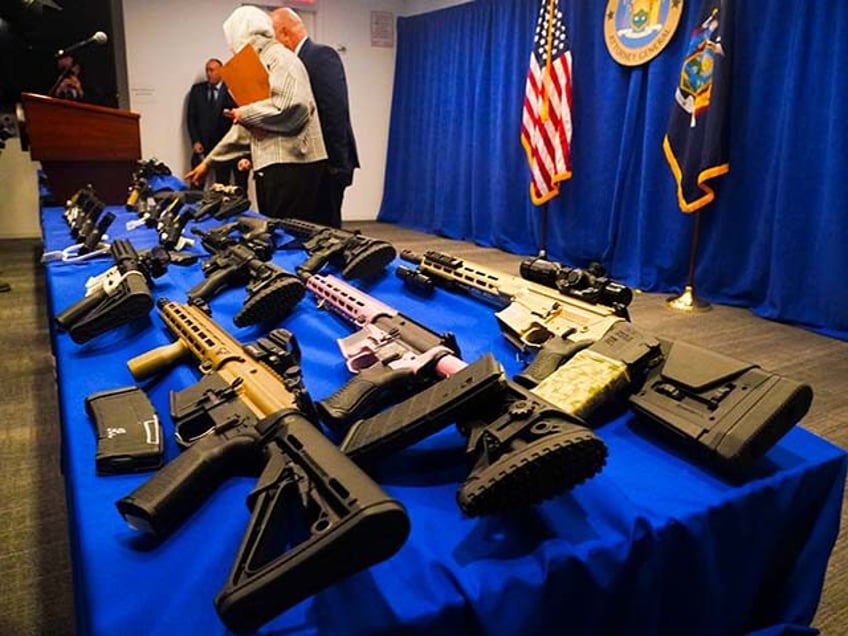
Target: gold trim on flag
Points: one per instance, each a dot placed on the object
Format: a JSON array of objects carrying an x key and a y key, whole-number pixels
[{"x": 703, "y": 176}]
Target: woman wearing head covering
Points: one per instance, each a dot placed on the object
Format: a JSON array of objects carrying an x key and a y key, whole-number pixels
[{"x": 282, "y": 132}]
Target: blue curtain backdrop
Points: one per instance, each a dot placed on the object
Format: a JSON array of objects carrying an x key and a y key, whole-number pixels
[{"x": 773, "y": 241}]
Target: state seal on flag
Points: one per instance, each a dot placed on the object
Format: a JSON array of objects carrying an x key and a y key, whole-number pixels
[
  {"x": 694, "y": 89},
  {"x": 637, "y": 30}
]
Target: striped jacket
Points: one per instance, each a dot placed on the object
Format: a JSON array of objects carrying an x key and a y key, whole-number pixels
[{"x": 283, "y": 128}]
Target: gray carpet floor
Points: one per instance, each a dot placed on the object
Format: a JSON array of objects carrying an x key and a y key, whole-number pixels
[{"x": 36, "y": 589}]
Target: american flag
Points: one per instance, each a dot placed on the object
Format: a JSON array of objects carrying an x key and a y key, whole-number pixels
[{"x": 546, "y": 122}]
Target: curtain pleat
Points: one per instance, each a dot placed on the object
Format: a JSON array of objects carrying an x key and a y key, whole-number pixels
[{"x": 773, "y": 241}]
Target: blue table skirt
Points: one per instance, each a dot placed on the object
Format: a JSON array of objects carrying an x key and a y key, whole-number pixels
[{"x": 655, "y": 544}]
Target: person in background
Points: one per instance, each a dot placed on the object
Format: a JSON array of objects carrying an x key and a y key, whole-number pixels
[
  {"x": 68, "y": 84},
  {"x": 207, "y": 123},
  {"x": 281, "y": 134},
  {"x": 329, "y": 85}
]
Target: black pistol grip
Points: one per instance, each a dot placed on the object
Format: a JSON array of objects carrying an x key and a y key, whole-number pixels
[
  {"x": 181, "y": 486},
  {"x": 208, "y": 288},
  {"x": 549, "y": 358},
  {"x": 70, "y": 316},
  {"x": 314, "y": 264},
  {"x": 362, "y": 394}
]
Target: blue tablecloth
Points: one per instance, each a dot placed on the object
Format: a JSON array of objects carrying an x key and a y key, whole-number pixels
[{"x": 655, "y": 544}]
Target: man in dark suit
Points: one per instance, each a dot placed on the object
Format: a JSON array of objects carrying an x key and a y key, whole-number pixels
[
  {"x": 329, "y": 85},
  {"x": 207, "y": 124}
]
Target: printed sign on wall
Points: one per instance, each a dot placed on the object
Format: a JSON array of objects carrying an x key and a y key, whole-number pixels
[{"x": 382, "y": 29}]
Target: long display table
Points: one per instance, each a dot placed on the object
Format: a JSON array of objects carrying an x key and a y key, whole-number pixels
[{"x": 655, "y": 544}]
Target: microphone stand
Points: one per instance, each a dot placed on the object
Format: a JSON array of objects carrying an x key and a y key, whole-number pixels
[{"x": 62, "y": 76}]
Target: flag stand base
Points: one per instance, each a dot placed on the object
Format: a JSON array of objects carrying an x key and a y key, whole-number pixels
[{"x": 688, "y": 301}]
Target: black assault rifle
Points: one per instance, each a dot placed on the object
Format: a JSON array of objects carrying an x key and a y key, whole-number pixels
[
  {"x": 316, "y": 517},
  {"x": 350, "y": 253}
]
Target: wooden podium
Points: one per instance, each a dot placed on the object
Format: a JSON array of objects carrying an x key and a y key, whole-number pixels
[{"x": 79, "y": 143}]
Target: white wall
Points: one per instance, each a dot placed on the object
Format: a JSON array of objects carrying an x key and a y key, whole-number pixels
[
  {"x": 167, "y": 45},
  {"x": 18, "y": 192},
  {"x": 414, "y": 7},
  {"x": 169, "y": 42}
]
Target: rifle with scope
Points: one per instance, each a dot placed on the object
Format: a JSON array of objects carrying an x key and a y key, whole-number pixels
[
  {"x": 729, "y": 411},
  {"x": 316, "y": 517},
  {"x": 566, "y": 333},
  {"x": 591, "y": 284}
]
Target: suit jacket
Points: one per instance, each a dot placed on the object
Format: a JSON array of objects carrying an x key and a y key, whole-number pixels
[
  {"x": 329, "y": 85},
  {"x": 206, "y": 122},
  {"x": 285, "y": 128}
]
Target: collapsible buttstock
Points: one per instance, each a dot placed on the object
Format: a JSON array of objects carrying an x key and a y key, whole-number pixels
[
  {"x": 320, "y": 520},
  {"x": 67, "y": 318}
]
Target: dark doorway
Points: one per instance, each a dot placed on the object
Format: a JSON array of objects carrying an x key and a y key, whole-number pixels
[{"x": 32, "y": 31}]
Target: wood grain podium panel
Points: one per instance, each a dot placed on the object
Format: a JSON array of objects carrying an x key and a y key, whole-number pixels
[{"x": 81, "y": 143}]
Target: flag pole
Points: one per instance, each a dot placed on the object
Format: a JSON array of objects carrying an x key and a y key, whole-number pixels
[
  {"x": 543, "y": 240},
  {"x": 688, "y": 301}
]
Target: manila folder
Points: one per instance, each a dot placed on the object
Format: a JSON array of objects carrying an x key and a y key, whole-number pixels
[{"x": 246, "y": 77}]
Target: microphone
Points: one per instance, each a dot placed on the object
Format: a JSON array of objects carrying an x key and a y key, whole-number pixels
[{"x": 97, "y": 38}]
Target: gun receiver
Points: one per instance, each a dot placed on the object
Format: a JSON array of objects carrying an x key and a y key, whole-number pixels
[
  {"x": 77, "y": 201},
  {"x": 391, "y": 354},
  {"x": 341, "y": 521},
  {"x": 255, "y": 232},
  {"x": 79, "y": 206},
  {"x": 92, "y": 232},
  {"x": 351, "y": 253},
  {"x": 531, "y": 314},
  {"x": 271, "y": 291},
  {"x": 171, "y": 231},
  {"x": 138, "y": 192},
  {"x": 140, "y": 187},
  {"x": 116, "y": 297},
  {"x": 521, "y": 448}
]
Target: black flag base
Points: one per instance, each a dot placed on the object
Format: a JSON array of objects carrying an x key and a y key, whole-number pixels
[{"x": 688, "y": 301}]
